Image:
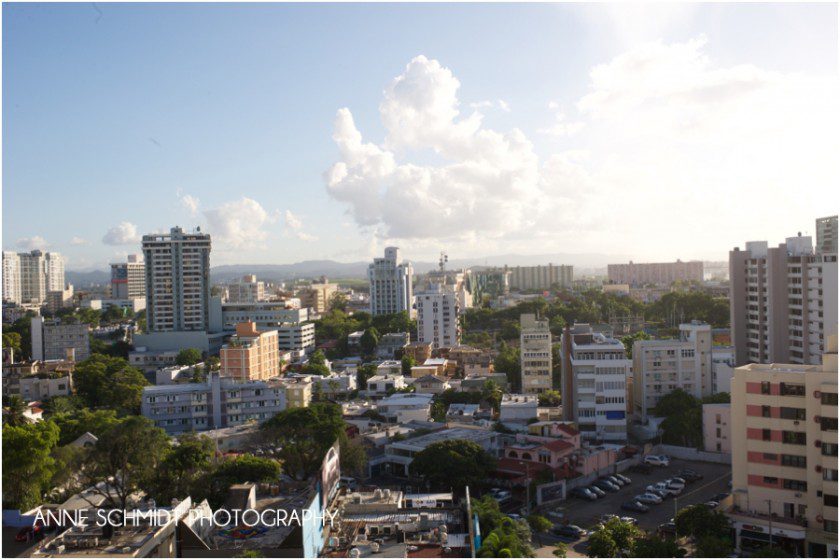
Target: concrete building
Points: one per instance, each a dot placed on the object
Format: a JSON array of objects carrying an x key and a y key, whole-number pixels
[
  {"x": 437, "y": 316},
  {"x": 27, "y": 277},
  {"x": 659, "y": 274},
  {"x": 391, "y": 284},
  {"x": 518, "y": 408},
  {"x": 391, "y": 343},
  {"x": 535, "y": 354},
  {"x": 717, "y": 427},
  {"x": 59, "y": 299},
  {"x": 266, "y": 314},
  {"x": 177, "y": 281},
  {"x": 419, "y": 351},
  {"x": 401, "y": 408},
  {"x": 827, "y": 235},
  {"x": 251, "y": 354},
  {"x": 53, "y": 340},
  {"x": 662, "y": 366},
  {"x": 783, "y": 302},
  {"x": 128, "y": 279},
  {"x": 541, "y": 277},
  {"x": 218, "y": 403},
  {"x": 298, "y": 391},
  {"x": 595, "y": 374},
  {"x": 44, "y": 387},
  {"x": 318, "y": 295},
  {"x": 247, "y": 290},
  {"x": 723, "y": 368},
  {"x": 784, "y": 460},
  {"x": 381, "y": 384},
  {"x": 398, "y": 455},
  {"x": 299, "y": 338},
  {"x": 11, "y": 277}
]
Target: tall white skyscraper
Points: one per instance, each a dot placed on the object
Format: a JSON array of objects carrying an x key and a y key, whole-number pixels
[
  {"x": 783, "y": 301},
  {"x": 177, "y": 281},
  {"x": 437, "y": 316},
  {"x": 27, "y": 277},
  {"x": 390, "y": 284},
  {"x": 535, "y": 354},
  {"x": 11, "y": 277}
]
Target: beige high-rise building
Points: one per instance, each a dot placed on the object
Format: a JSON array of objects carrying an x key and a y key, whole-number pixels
[
  {"x": 11, "y": 277},
  {"x": 660, "y": 274},
  {"x": 247, "y": 290},
  {"x": 784, "y": 455},
  {"x": 251, "y": 355},
  {"x": 783, "y": 302},
  {"x": 318, "y": 295},
  {"x": 662, "y": 366},
  {"x": 128, "y": 279},
  {"x": 391, "y": 289},
  {"x": 29, "y": 276},
  {"x": 541, "y": 277},
  {"x": 438, "y": 309},
  {"x": 535, "y": 354},
  {"x": 827, "y": 235}
]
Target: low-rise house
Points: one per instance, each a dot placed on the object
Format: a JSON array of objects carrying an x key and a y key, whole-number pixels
[
  {"x": 391, "y": 343},
  {"x": 177, "y": 374},
  {"x": 382, "y": 385},
  {"x": 354, "y": 341},
  {"x": 460, "y": 412},
  {"x": 405, "y": 407},
  {"x": 518, "y": 408},
  {"x": 298, "y": 390},
  {"x": 37, "y": 380},
  {"x": 475, "y": 383},
  {"x": 389, "y": 367},
  {"x": 335, "y": 384},
  {"x": 419, "y": 351},
  {"x": 431, "y": 384}
]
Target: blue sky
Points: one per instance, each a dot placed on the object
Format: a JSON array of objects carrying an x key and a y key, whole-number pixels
[{"x": 120, "y": 120}]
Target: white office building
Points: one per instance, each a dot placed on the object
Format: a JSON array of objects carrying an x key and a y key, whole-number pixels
[
  {"x": 54, "y": 340},
  {"x": 247, "y": 290},
  {"x": 535, "y": 354},
  {"x": 266, "y": 314},
  {"x": 437, "y": 316},
  {"x": 177, "y": 281},
  {"x": 27, "y": 277},
  {"x": 390, "y": 284},
  {"x": 11, "y": 277},
  {"x": 597, "y": 370},
  {"x": 299, "y": 338},
  {"x": 128, "y": 279}
]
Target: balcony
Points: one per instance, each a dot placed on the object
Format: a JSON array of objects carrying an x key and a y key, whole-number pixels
[{"x": 775, "y": 519}]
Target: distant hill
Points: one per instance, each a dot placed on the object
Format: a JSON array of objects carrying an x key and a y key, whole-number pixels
[{"x": 87, "y": 279}]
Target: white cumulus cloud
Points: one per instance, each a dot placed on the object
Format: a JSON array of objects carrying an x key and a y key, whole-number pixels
[
  {"x": 31, "y": 243},
  {"x": 78, "y": 241},
  {"x": 191, "y": 203},
  {"x": 125, "y": 233},
  {"x": 294, "y": 227},
  {"x": 239, "y": 224}
]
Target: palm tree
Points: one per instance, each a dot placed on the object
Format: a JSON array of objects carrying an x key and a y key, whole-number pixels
[{"x": 13, "y": 412}]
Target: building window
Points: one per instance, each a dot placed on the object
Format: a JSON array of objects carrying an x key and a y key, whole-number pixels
[
  {"x": 829, "y": 526},
  {"x": 792, "y": 413},
  {"x": 798, "y": 485},
  {"x": 795, "y": 438},
  {"x": 766, "y": 434},
  {"x": 829, "y": 449},
  {"x": 830, "y": 500},
  {"x": 771, "y": 480},
  {"x": 765, "y": 387},
  {"x": 792, "y": 390},
  {"x": 765, "y": 411},
  {"x": 794, "y": 461},
  {"x": 828, "y": 424},
  {"x": 829, "y": 399}
]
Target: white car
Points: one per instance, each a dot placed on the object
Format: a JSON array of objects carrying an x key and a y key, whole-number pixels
[
  {"x": 657, "y": 460},
  {"x": 648, "y": 498},
  {"x": 662, "y": 487},
  {"x": 675, "y": 483}
]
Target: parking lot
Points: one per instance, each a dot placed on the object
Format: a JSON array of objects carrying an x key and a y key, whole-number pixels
[{"x": 586, "y": 513}]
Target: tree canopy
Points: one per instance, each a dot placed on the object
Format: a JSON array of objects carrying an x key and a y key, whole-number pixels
[
  {"x": 109, "y": 382},
  {"x": 304, "y": 435},
  {"x": 453, "y": 464},
  {"x": 188, "y": 357},
  {"x": 28, "y": 465}
]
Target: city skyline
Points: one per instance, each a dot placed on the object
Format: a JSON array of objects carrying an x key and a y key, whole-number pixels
[{"x": 286, "y": 146}]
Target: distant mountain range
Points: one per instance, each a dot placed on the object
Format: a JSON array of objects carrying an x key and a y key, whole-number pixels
[{"x": 593, "y": 263}]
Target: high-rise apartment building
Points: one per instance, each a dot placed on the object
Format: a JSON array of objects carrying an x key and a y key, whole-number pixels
[
  {"x": 318, "y": 295},
  {"x": 783, "y": 301},
  {"x": 390, "y": 284},
  {"x": 11, "y": 277},
  {"x": 662, "y": 366},
  {"x": 542, "y": 277},
  {"x": 660, "y": 274},
  {"x": 595, "y": 374},
  {"x": 437, "y": 316},
  {"x": 534, "y": 354},
  {"x": 27, "y": 277},
  {"x": 128, "y": 279},
  {"x": 54, "y": 340},
  {"x": 784, "y": 456},
  {"x": 247, "y": 290},
  {"x": 177, "y": 281},
  {"x": 251, "y": 354},
  {"x": 827, "y": 235}
]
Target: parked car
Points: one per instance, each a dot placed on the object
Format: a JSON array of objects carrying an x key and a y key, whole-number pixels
[
  {"x": 583, "y": 493},
  {"x": 712, "y": 504},
  {"x": 642, "y": 468},
  {"x": 606, "y": 517},
  {"x": 667, "y": 528},
  {"x": 657, "y": 460},
  {"x": 661, "y": 493},
  {"x": 631, "y": 520},
  {"x": 501, "y": 495},
  {"x": 557, "y": 515},
  {"x": 570, "y": 531},
  {"x": 615, "y": 480},
  {"x": 662, "y": 487},
  {"x": 514, "y": 516},
  {"x": 625, "y": 479},
  {"x": 597, "y": 491},
  {"x": 649, "y": 498},
  {"x": 675, "y": 483},
  {"x": 720, "y": 497},
  {"x": 635, "y": 506},
  {"x": 606, "y": 486},
  {"x": 679, "y": 479},
  {"x": 690, "y": 475}
]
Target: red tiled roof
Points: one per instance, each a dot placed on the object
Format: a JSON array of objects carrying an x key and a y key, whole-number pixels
[
  {"x": 558, "y": 445},
  {"x": 568, "y": 429},
  {"x": 506, "y": 464}
]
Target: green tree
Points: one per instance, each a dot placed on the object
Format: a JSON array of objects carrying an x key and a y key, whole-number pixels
[
  {"x": 318, "y": 358},
  {"x": 683, "y": 424},
  {"x": 560, "y": 549},
  {"x": 771, "y": 552},
  {"x": 629, "y": 339},
  {"x": 539, "y": 524},
  {"x": 77, "y": 422},
  {"x": 369, "y": 340},
  {"x": 28, "y": 465},
  {"x": 699, "y": 521},
  {"x": 315, "y": 369},
  {"x": 507, "y": 362},
  {"x": 453, "y": 464},
  {"x": 14, "y": 410},
  {"x": 713, "y": 547},
  {"x": 188, "y": 357},
  {"x": 304, "y": 435},
  {"x": 407, "y": 363},
  {"x": 109, "y": 382},
  {"x": 183, "y": 466},
  {"x": 12, "y": 340},
  {"x": 602, "y": 545},
  {"x": 550, "y": 398},
  {"x": 492, "y": 393},
  {"x": 656, "y": 547},
  {"x": 127, "y": 456},
  {"x": 354, "y": 458},
  {"x": 338, "y": 302},
  {"x": 365, "y": 372}
]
